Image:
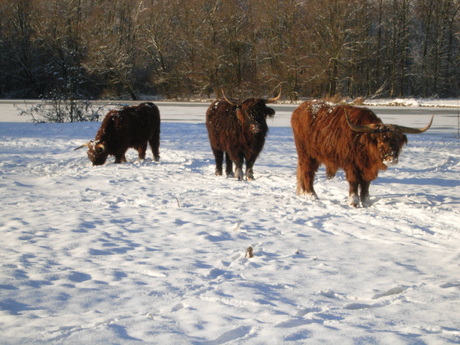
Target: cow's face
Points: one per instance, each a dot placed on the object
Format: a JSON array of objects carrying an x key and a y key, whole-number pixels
[
  {"x": 97, "y": 152},
  {"x": 390, "y": 140},
  {"x": 253, "y": 113}
]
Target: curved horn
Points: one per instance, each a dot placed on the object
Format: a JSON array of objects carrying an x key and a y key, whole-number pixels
[
  {"x": 410, "y": 130},
  {"x": 81, "y": 146},
  {"x": 101, "y": 146},
  {"x": 274, "y": 99},
  {"x": 228, "y": 101},
  {"x": 359, "y": 128}
]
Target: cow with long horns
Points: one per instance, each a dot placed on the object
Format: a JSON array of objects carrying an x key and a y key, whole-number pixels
[
  {"x": 347, "y": 137},
  {"x": 238, "y": 130},
  {"x": 129, "y": 127}
]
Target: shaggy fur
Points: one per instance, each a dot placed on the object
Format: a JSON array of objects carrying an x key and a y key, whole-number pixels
[
  {"x": 130, "y": 127},
  {"x": 322, "y": 136},
  {"x": 238, "y": 131}
]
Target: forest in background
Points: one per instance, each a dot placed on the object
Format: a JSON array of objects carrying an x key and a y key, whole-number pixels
[{"x": 176, "y": 49}]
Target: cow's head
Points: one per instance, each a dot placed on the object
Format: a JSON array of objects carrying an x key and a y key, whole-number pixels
[
  {"x": 389, "y": 138},
  {"x": 97, "y": 151},
  {"x": 252, "y": 112}
]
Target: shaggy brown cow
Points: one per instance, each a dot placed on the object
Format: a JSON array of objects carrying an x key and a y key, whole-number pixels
[
  {"x": 347, "y": 137},
  {"x": 129, "y": 127},
  {"x": 238, "y": 129}
]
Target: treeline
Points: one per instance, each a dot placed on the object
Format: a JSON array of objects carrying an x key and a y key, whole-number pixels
[{"x": 193, "y": 48}]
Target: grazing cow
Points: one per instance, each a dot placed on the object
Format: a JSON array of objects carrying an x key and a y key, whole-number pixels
[
  {"x": 238, "y": 129},
  {"x": 347, "y": 137},
  {"x": 129, "y": 127}
]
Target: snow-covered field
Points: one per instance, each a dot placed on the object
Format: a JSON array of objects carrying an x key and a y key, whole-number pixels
[{"x": 154, "y": 253}]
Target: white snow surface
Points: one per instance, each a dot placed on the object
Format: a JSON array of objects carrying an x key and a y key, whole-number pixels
[{"x": 146, "y": 252}]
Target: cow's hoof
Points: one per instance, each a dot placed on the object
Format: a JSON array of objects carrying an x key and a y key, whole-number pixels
[
  {"x": 366, "y": 201},
  {"x": 312, "y": 196},
  {"x": 308, "y": 195},
  {"x": 353, "y": 200}
]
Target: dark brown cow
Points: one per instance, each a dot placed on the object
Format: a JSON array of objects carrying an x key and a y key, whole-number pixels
[
  {"x": 238, "y": 129},
  {"x": 347, "y": 137},
  {"x": 129, "y": 127}
]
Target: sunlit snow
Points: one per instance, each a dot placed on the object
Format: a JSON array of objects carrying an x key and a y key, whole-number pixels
[{"x": 146, "y": 252}]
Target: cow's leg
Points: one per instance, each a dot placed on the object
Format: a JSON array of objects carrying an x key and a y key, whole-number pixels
[
  {"x": 249, "y": 171},
  {"x": 354, "y": 182},
  {"x": 155, "y": 146},
  {"x": 239, "y": 167},
  {"x": 353, "y": 198},
  {"x": 249, "y": 165},
  {"x": 228, "y": 166},
  {"x": 141, "y": 149},
  {"x": 120, "y": 158},
  {"x": 306, "y": 171},
  {"x": 219, "y": 157},
  {"x": 330, "y": 172},
  {"x": 364, "y": 194}
]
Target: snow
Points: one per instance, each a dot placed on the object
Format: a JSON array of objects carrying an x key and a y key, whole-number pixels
[
  {"x": 146, "y": 252},
  {"x": 414, "y": 102}
]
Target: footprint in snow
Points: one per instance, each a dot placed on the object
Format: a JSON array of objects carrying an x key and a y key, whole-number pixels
[
  {"x": 359, "y": 306},
  {"x": 234, "y": 334},
  {"x": 450, "y": 285},
  {"x": 393, "y": 291},
  {"x": 298, "y": 322},
  {"x": 178, "y": 307},
  {"x": 79, "y": 277}
]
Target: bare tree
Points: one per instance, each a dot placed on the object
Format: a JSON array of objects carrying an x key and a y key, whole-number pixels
[
  {"x": 190, "y": 48},
  {"x": 112, "y": 44},
  {"x": 20, "y": 55}
]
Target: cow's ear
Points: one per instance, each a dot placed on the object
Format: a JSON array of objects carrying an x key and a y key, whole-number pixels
[{"x": 239, "y": 115}]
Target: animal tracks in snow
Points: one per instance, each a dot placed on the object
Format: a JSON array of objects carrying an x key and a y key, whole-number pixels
[
  {"x": 378, "y": 300},
  {"x": 357, "y": 305},
  {"x": 393, "y": 291},
  {"x": 229, "y": 336},
  {"x": 455, "y": 284}
]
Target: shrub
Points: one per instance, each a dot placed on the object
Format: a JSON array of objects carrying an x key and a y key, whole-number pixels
[{"x": 57, "y": 108}]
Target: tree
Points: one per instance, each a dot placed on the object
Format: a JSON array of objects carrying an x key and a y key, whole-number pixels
[
  {"x": 180, "y": 48},
  {"x": 112, "y": 44},
  {"x": 20, "y": 62}
]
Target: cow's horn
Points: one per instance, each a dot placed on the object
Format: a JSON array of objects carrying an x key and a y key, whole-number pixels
[
  {"x": 230, "y": 102},
  {"x": 81, "y": 146},
  {"x": 410, "y": 130},
  {"x": 359, "y": 128},
  {"x": 274, "y": 99},
  {"x": 101, "y": 146}
]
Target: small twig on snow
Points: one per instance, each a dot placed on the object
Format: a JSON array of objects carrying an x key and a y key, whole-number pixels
[{"x": 249, "y": 252}]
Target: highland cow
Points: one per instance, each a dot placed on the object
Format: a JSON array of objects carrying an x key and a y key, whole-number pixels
[
  {"x": 347, "y": 137},
  {"x": 129, "y": 127},
  {"x": 238, "y": 130}
]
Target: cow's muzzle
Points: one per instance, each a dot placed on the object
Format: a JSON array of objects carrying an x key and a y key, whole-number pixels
[
  {"x": 254, "y": 128},
  {"x": 390, "y": 160}
]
